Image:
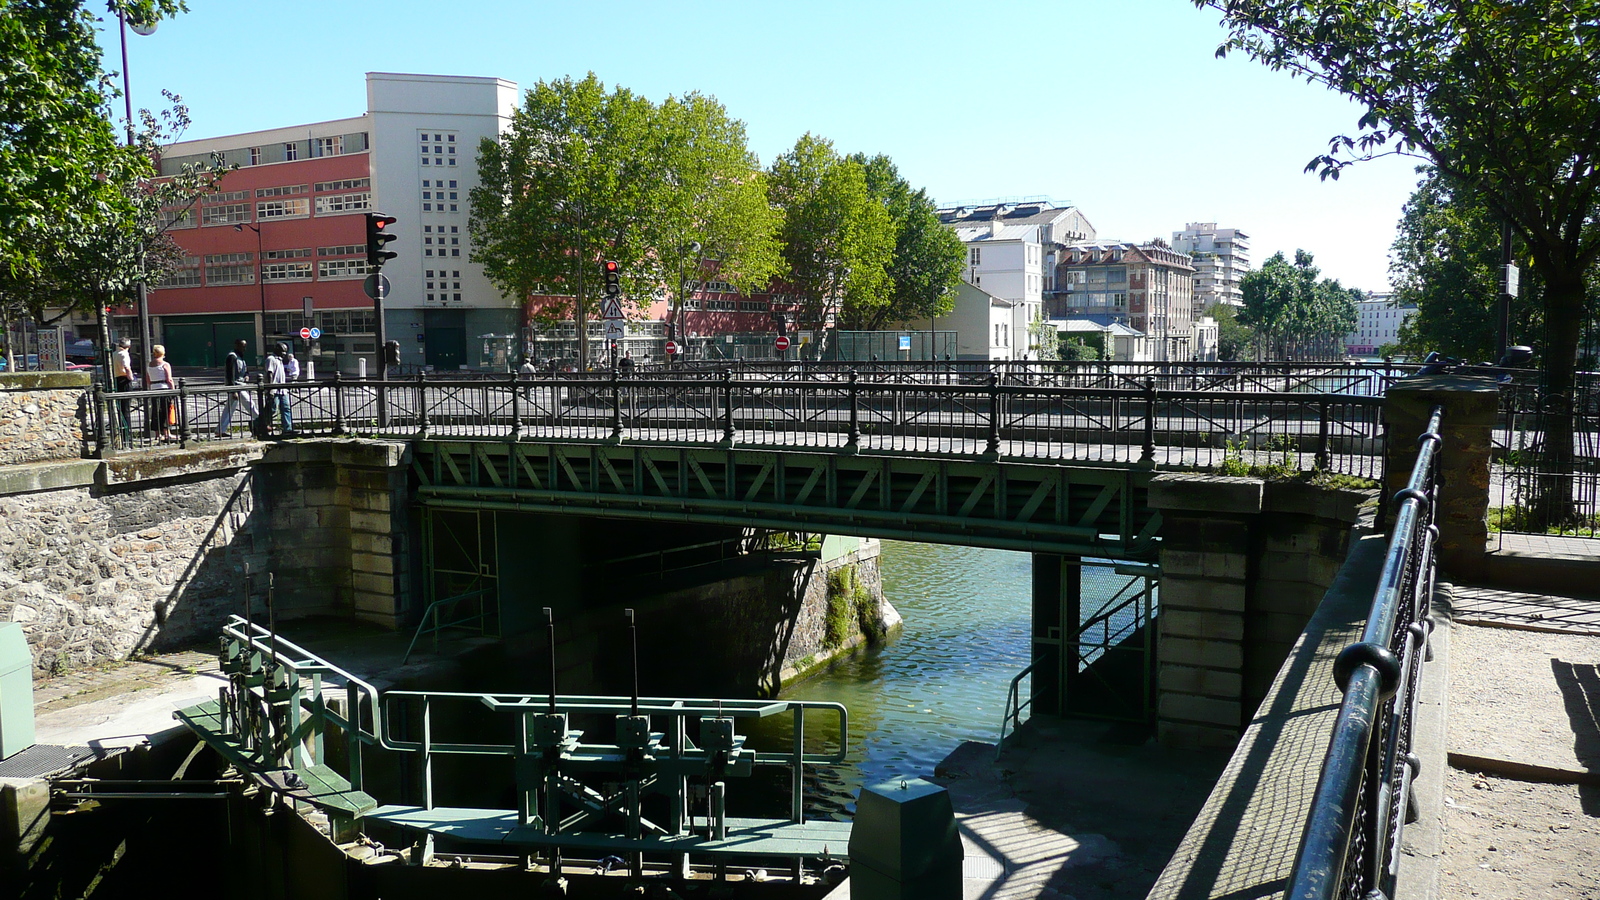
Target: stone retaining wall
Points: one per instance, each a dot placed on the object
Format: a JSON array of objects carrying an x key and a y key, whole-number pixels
[{"x": 41, "y": 416}]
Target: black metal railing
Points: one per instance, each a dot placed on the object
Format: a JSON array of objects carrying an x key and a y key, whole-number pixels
[
  {"x": 1545, "y": 479},
  {"x": 1350, "y": 848},
  {"x": 1141, "y": 425}
]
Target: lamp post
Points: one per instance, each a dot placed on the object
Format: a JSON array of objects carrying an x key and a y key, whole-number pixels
[
  {"x": 140, "y": 28},
  {"x": 261, "y": 281}
]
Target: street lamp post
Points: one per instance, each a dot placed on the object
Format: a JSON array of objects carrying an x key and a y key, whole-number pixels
[
  {"x": 261, "y": 281},
  {"x": 140, "y": 28}
]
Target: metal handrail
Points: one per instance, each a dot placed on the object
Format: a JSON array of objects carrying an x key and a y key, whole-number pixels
[
  {"x": 433, "y": 611},
  {"x": 1357, "y": 812},
  {"x": 1012, "y": 715}
]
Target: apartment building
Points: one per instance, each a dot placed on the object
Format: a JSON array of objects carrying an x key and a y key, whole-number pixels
[
  {"x": 1148, "y": 287},
  {"x": 281, "y": 245},
  {"x": 1012, "y": 254},
  {"x": 1378, "y": 321},
  {"x": 1220, "y": 256}
]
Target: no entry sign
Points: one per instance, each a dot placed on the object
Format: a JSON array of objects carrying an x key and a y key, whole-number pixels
[
  {"x": 305, "y": 334},
  {"x": 672, "y": 348},
  {"x": 782, "y": 343}
]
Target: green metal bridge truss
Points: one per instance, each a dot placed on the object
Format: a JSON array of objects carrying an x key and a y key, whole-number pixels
[{"x": 1037, "y": 507}]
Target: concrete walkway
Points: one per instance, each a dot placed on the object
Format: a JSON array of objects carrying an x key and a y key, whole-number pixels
[{"x": 1519, "y": 810}]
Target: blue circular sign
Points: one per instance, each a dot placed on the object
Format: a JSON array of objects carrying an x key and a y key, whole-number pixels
[{"x": 316, "y": 333}]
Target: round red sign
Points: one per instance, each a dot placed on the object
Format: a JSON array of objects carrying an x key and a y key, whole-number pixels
[
  {"x": 305, "y": 334},
  {"x": 672, "y": 348},
  {"x": 782, "y": 343}
]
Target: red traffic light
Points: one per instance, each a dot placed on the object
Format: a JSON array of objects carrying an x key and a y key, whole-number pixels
[
  {"x": 380, "y": 221},
  {"x": 611, "y": 267}
]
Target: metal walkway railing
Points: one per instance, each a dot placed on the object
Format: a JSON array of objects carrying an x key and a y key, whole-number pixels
[{"x": 1352, "y": 839}]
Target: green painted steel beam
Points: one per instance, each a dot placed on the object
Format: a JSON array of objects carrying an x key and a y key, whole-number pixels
[{"x": 1012, "y": 505}]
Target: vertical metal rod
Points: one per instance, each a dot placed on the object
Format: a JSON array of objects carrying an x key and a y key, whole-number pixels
[
  {"x": 727, "y": 405},
  {"x": 855, "y": 411},
  {"x": 353, "y": 735},
  {"x": 272, "y": 619},
  {"x": 993, "y": 448},
  {"x": 1148, "y": 453},
  {"x": 797, "y": 812},
  {"x": 633, "y": 637},
  {"x": 616, "y": 398},
  {"x": 427, "y": 753},
  {"x": 550, "y": 630},
  {"x": 719, "y": 810},
  {"x": 338, "y": 403},
  {"x": 1323, "y": 460}
]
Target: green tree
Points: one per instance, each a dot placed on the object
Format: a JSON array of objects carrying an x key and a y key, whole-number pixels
[
  {"x": 838, "y": 240},
  {"x": 1502, "y": 98},
  {"x": 570, "y": 183},
  {"x": 711, "y": 213},
  {"x": 1445, "y": 262},
  {"x": 928, "y": 258},
  {"x": 1078, "y": 349},
  {"x": 57, "y": 141},
  {"x": 1234, "y": 338},
  {"x": 1292, "y": 313}
]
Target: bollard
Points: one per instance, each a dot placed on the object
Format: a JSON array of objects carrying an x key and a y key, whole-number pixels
[
  {"x": 310, "y": 370},
  {"x": 361, "y": 367},
  {"x": 904, "y": 845}
]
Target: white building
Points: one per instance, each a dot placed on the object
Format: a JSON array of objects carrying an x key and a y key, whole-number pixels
[
  {"x": 281, "y": 246},
  {"x": 1377, "y": 324},
  {"x": 1011, "y": 255},
  {"x": 1221, "y": 258},
  {"x": 982, "y": 323},
  {"x": 1207, "y": 339}
]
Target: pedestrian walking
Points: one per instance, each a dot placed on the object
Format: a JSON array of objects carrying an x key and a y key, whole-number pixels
[
  {"x": 278, "y": 374},
  {"x": 627, "y": 366},
  {"x": 122, "y": 383},
  {"x": 159, "y": 413},
  {"x": 236, "y": 372},
  {"x": 528, "y": 369}
]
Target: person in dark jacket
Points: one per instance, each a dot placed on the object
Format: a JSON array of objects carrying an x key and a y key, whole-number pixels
[{"x": 235, "y": 373}]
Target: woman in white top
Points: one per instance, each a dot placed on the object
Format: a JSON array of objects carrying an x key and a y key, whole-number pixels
[{"x": 158, "y": 377}]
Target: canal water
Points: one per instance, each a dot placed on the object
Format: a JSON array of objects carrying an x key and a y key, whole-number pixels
[{"x": 943, "y": 680}]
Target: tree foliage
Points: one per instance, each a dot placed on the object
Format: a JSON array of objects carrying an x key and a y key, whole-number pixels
[
  {"x": 585, "y": 174},
  {"x": 1445, "y": 262},
  {"x": 1294, "y": 315},
  {"x": 838, "y": 239},
  {"x": 1500, "y": 97},
  {"x": 1235, "y": 340},
  {"x": 926, "y": 264},
  {"x": 57, "y": 140}
]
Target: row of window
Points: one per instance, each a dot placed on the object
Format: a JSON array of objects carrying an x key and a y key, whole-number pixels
[
  {"x": 755, "y": 306},
  {"x": 328, "y": 146},
  {"x": 239, "y": 213},
  {"x": 440, "y": 151},
  {"x": 447, "y": 280},
  {"x": 223, "y": 269},
  {"x": 334, "y": 321}
]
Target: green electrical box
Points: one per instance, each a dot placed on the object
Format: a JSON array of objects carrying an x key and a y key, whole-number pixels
[
  {"x": 16, "y": 690},
  {"x": 904, "y": 844}
]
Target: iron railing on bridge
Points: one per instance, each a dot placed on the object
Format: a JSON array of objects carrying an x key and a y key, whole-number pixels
[
  {"x": 1352, "y": 838},
  {"x": 996, "y": 418}
]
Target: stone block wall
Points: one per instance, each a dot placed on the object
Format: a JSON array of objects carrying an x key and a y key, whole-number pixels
[
  {"x": 42, "y": 416},
  {"x": 1244, "y": 565},
  {"x": 99, "y": 559}
]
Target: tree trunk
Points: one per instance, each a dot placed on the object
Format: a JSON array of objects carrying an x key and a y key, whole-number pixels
[{"x": 1553, "y": 502}]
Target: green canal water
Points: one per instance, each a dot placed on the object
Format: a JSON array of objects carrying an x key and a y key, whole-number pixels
[{"x": 942, "y": 680}]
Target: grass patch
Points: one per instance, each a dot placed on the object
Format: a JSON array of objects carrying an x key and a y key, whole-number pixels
[{"x": 850, "y": 603}]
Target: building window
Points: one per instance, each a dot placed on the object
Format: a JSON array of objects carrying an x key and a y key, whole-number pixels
[
  {"x": 286, "y": 271},
  {"x": 342, "y": 268},
  {"x": 976, "y": 256},
  {"x": 328, "y": 146},
  {"x": 348, "y": 184},
  {"x": 186, "y": 275},
  {"x": 218, "y": 275},
  {"x": 177, "y": 218},
  {"x": 283, "y": 209},
  {"x": 291, "y": 152},
  {"x": 342, "y": 250},
  {"x": 255, "y": 156},
  {"x": 301, "y": 253},
  {"x": 229, "y": 214},
  {"x": 287, "y": 190},
  {"x": 337, "y": 203}
]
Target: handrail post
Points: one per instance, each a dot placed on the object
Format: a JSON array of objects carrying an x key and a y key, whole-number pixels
[
  {"x": 101, "y": 416},
  {"x": 616, "y": 409},
  {"x": 1323, "y": 459},
  {"x": 727, "y": 408},
  {"x": 1147, "y": 455},
  {"x": 338, "y": 403},
  {"x": 516, "y": 408},
  {"x": 853, "y": 443},
  {"x": 183, "y": 414},
  {"x": 422, "y": 405},
  {"x": 992, "y": 450}
]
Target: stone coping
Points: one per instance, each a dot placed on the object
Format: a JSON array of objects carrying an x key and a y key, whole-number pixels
[
  {"x": 1244, "y": 842},
  {"x": 44, "y": 381}
]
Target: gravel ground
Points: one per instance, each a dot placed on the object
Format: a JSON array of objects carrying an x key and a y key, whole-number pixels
[{"x": 1513, "y": 840}]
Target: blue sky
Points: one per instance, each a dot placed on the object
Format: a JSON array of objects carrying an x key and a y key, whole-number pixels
[{"x": 1118, "y": 107}]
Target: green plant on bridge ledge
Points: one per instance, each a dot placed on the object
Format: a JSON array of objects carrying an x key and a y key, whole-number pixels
[{"x": 1280, "y": 463}]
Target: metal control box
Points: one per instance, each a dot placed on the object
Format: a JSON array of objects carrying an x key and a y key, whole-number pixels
[
  {"x": 16, "y": 690},
  {"x": 716, "y": 735},
  {"x": 904, "y": 844}
]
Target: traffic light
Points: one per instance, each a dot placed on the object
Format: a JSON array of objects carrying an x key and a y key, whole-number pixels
[
  {"x": 391, "y": 353},
  {"x": 377, "y": 237},
  {"x": 613, "y": 286}
]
